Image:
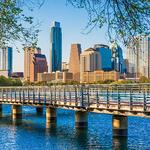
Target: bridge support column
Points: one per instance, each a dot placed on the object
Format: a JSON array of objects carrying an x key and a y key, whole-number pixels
[
  {"x": 120, "y": 125},
  {"x": 51, "y": 116},
  {"x": 81, "y": 119},
  {"x": 16, "y": 112},
  {"x": 39, "y": 110}
]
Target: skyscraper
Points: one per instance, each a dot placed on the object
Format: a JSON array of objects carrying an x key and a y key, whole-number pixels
[
  {"x": 6, "y": 60},
  {"x": 138, "y": 55},
  {"x": 34, "y": 62},
  {"x": 90, "y": 60},
  {"x": 55, "y": 47},
  {"x": 105, "y": 54},
  {"x": 117, "y": 60},
  {"x": 74, "y": 62}
]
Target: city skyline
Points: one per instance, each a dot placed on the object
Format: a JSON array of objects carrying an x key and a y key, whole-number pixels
[{"x": 71, "y": 28}]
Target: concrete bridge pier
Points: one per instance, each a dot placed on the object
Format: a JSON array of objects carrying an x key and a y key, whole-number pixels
[
  {"x": 39, "y": 110},
  {"x": 17, "y": 113},
  {"x": 120, "y": 125},
  {"x": 81, "y": 119},
  {"x": 51, "y": 116}
]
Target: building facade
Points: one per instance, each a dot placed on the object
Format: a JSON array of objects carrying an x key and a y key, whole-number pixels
[
  {"x": 99, "y": 75},
  {"x": 34, "y": 62},
  {"x": 90, "y": 60},
  {"x": 65, "y": 66},
  {"x": 55, "y": 47},
  {"x": 55, "y": 77},
  {"x": 117, "y": 59},
  {"x": 106, "y": 55},
  {"x": 138, "y": 55},
  {"x": 6, "y": 60},
  {"x": 74, "y": 61}
]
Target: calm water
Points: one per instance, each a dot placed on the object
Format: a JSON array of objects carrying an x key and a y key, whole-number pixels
[{"x": 32, "y": 134}]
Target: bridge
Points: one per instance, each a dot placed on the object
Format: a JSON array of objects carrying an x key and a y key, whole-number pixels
[{"x": 120, "y": 101}]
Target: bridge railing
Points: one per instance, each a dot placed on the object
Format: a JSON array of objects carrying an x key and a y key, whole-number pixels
[{"x": 87, "y": 96}]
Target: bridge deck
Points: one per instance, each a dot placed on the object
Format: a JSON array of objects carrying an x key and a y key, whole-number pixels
[{"x": 133, "y": 100}]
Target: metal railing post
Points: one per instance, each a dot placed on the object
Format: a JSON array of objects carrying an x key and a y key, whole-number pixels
[
  {"x": 70, "y": 96},
  {"x": 145, "y": 101},
  {"x": 88, "y": 97},
  {"x": 107, "y": 97},
  {"x": 20, "y": 95},
  {"x": 76, "y": 100},
  {"x": 82, "y": 96},
  {"x": 33, "y": 96},
  {"x": 64, "y": 96},
  {"x": 45, "y": 96},
  {"x": 39, "y": 96},
  {"x": 118, "y": 98},
  {"x": 15, "y": 96},
  {"x": 11, "y": 94},
  {"x": 97, "y": 99},
  {"x": 131, "y": 99}
]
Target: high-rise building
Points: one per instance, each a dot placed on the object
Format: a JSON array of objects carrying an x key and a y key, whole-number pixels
[
  {"x": 74, "y": 62},
  {"x": 105, "y": 54},
  {"x": 90, "y": 60},
  {"x": 65, "y": 66},
  {"x": 117, "y": 59},
  {"x": 6, "y": 60},
  {"x": 138, "y": 55},
  {"x": 34, "y": 62},
  {"x": 55, "y": 47}
]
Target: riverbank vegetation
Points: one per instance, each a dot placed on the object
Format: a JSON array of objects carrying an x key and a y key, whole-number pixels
[{"x": 9, "y": 81}]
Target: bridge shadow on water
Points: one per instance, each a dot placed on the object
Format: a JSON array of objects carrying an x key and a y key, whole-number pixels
[{"x": 67, "y": 136}]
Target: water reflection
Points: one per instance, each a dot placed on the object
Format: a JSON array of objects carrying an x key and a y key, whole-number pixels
[
  {"x": 81, "y": 135},
  {"x": 120, "y": 143}
]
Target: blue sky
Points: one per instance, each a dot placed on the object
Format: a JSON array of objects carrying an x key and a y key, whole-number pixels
[{"x": 73, "y": 22}]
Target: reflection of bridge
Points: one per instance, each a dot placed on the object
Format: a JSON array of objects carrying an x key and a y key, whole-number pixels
[{"x": 120, "y": 101}]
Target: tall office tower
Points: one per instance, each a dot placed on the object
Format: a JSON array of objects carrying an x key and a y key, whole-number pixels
[
  {"x": 55, "y": 47},
  {"x": 138, "y": 55},
  {"x": 90, "y": 60},
  {"x": 6, "y": 60},
  {"x": 34, "y": 62},
  {"x": 117, "y": 60},
  {"x": 74, "y": 62},
  {"x": 105, "y": 54}
]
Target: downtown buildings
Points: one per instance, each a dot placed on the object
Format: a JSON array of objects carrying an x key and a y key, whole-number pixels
[
  {"x": 6, "y": 61},
  {"x": 138, "y": 57},
  {"x": 34, "y": 63},
  {"x": 55, "y": 47},
  {"x": 74, "y": 61}
]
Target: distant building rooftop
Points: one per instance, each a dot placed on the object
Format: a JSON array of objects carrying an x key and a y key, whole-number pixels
[{"x": 56, "y": 24}]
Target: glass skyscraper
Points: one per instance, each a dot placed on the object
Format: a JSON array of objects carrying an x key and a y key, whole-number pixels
[
  {"x": 117, "y": 59},
  {"x": 6, "y": 59},
  {"x": 55, "y": 47},
  {"x": 105, "y": 54}
]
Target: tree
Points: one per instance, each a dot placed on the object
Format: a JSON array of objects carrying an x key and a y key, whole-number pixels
[
  {"x": 15, "y": 25},
  {"x": 123, "y": 18}
]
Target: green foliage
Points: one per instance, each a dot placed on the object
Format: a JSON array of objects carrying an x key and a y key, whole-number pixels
[
  {"x": 123, "y": 19},
  {"x": 144, "y": 80},
  {"x": 123, "y": 82},
  {"x": 15, "y": 25},
  {"x": 104, "y": 82},
  {"x": 9, "y": 81}
]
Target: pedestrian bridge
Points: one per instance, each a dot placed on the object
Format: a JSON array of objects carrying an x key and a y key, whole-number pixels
[{"x": 119, "y": 100}]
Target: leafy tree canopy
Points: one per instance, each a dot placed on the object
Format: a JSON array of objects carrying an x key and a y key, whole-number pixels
[
  {"x": 123, "y": 18},
  {"x": 14, "y": 24}
]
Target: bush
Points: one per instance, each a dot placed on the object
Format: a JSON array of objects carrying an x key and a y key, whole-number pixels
[{"x": 9, "y": 81}]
